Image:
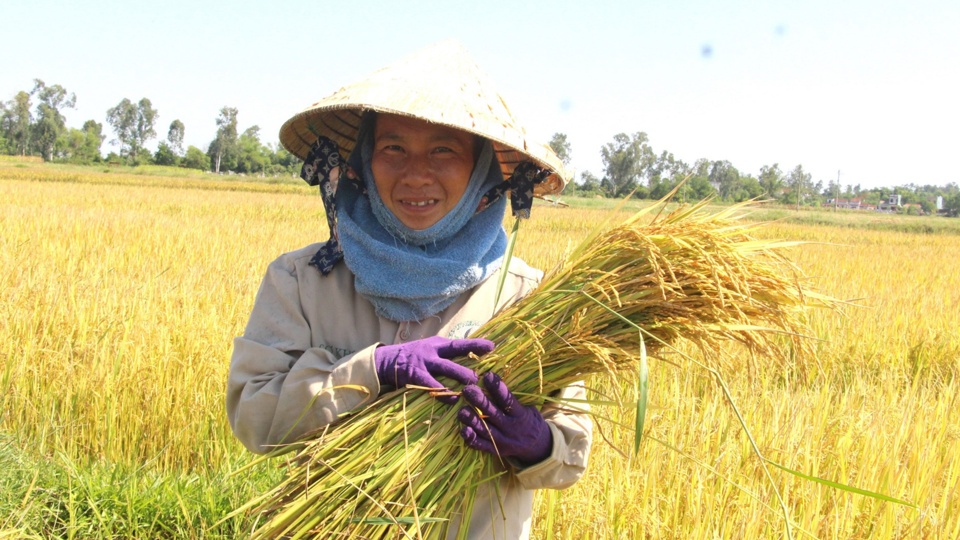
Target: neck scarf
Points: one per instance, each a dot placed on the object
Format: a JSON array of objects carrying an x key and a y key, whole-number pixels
[{"x": 409, "y": 275}]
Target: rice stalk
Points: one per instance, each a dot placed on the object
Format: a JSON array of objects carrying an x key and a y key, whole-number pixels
[{"x": 398, "y": 469}]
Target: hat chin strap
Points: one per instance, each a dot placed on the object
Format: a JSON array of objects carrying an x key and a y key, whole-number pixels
[{"x": 525, "y": 176}]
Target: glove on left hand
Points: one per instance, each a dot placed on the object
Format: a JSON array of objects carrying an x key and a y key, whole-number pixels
[
  {"x": 420, "y": 362},
  {"x": 509, "y": 429}
]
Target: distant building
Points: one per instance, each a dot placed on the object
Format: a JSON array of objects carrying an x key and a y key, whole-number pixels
[
  {"x": 847, "y": 204},
  {"x": 892, "y": 204}
]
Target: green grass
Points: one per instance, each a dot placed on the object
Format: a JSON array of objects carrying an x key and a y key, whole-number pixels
[{"x": 55, "y": 497}]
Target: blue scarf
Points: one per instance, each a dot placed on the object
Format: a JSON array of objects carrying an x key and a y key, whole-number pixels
[{"x": 409, "y": 275}]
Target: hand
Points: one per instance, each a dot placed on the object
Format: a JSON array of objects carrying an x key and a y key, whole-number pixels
[
  {"x": 509, "y": 428},
  {"x": 420, "y": 362}
]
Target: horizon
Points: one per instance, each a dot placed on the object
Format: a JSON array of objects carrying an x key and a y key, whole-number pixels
[{"x": 863, "y": 90}]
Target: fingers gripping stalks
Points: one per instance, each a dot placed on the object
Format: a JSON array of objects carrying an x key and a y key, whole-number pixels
[
  {"x": 419, "y": 363},
  {"x": 499, "y": 424}
]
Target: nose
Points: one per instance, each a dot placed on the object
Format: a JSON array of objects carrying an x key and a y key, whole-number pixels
[{"x": 419, "y": 171}]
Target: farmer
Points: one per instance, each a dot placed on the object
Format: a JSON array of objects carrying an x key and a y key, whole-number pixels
[{"x": 415, "y": 165}]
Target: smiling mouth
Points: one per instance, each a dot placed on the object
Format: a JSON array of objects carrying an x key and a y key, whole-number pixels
[{"x": 421, "y": 203}]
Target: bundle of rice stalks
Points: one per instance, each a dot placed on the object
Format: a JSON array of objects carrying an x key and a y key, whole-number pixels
[{"x": 397, "y": 468}]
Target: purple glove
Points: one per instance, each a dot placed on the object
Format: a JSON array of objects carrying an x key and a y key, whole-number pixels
[
  {"x": 508, "y": 429},
  {"x": 420, "y": 362}
]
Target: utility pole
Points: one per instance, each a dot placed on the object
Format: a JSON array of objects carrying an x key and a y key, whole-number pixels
[
  {"x": 837, "y": 196},
  {"x": 799, "y": 183}
]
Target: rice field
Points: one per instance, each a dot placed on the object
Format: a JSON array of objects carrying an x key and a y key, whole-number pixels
[{"x": 121, "y": 294}]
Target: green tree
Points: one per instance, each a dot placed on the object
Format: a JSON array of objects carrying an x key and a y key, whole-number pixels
[
  {"x": 872, "y": 196},
  {"x": 195, "y": 158},
  {"x": 223, "y": 149},
  {"x": 70, "y": 145},
  {"x": 658, "y": 188},
  {"x": 16, "y": 122},
  {"x": 698, "y": 188},
  {"x": 589, "y": 182},
  {"x": 800, "y": 185},
  {"x": 771, "y": 180},
  {"x": 677, "y": 169},
  {"x": 697, "y": 185},
  {"x": 175, "y": 137},
  {"x": 134, "y": 126},
  {"x": 252, "y": 156},
  {"x": 660, "y": 167},
  {"x": 815, "y": 195},
  {"x": 83, "y": 145},
  {"x": 724, "y": 177},
  {"x": 625, "y": 161},
  {"x": 952, "y": 205},
  {"x": 93, "y": 140},
  {"x": 664, "y": 174},
  {"x": 283, "y": 162},
  {"x": 6, "y": 146},
  {"x": 146, "y": 118},
  {"x": 748, "y": 187},
  {"x": 169, "y": 152},
  {"x": 122, "y": 118},
  {"x": 561, "y": 146},
  {"x": 832, "y": 191},
  {"x": 50, "y": 123},
  {"x": 165, "y": 155}
]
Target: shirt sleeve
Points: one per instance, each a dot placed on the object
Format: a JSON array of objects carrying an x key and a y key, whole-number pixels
[
  {"x": 572, "y": 429},
  {"x": 280, "y": 386}
]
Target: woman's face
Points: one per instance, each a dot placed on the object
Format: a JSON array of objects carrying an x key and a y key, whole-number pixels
[{"x": 421, "y": 169}]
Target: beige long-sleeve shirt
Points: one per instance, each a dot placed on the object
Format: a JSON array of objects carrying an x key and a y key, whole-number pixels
[{"x": 308, "y": 333}]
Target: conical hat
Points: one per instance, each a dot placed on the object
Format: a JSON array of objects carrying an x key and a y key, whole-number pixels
[{"x": 440, "y": 84}]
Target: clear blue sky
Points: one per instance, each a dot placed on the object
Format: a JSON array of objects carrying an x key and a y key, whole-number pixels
[{"x": 867, "y": 88}]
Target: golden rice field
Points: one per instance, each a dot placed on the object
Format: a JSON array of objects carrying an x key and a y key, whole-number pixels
[{"x": 121, "y": 294}]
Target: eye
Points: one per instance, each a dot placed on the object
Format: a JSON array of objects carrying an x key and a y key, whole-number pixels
[
  {"x": 448, "y": 150},
  {"x": 391, "y": 148}
]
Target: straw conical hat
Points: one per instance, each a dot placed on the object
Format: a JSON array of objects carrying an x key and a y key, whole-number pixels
[{"x": 439, "y": 84}]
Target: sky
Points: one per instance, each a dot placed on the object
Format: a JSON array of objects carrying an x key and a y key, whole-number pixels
[{"x": 864, "y": 91}]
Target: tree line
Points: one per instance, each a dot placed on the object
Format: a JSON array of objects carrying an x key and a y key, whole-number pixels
[
  {"x": 631, "y": 166},
  {"x": 32, "y": 123}
]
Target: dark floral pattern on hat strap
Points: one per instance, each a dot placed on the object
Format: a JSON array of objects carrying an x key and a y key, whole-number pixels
[
  {"x": 325, "y": 168},
  {"x": 525, "y": 176}
]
